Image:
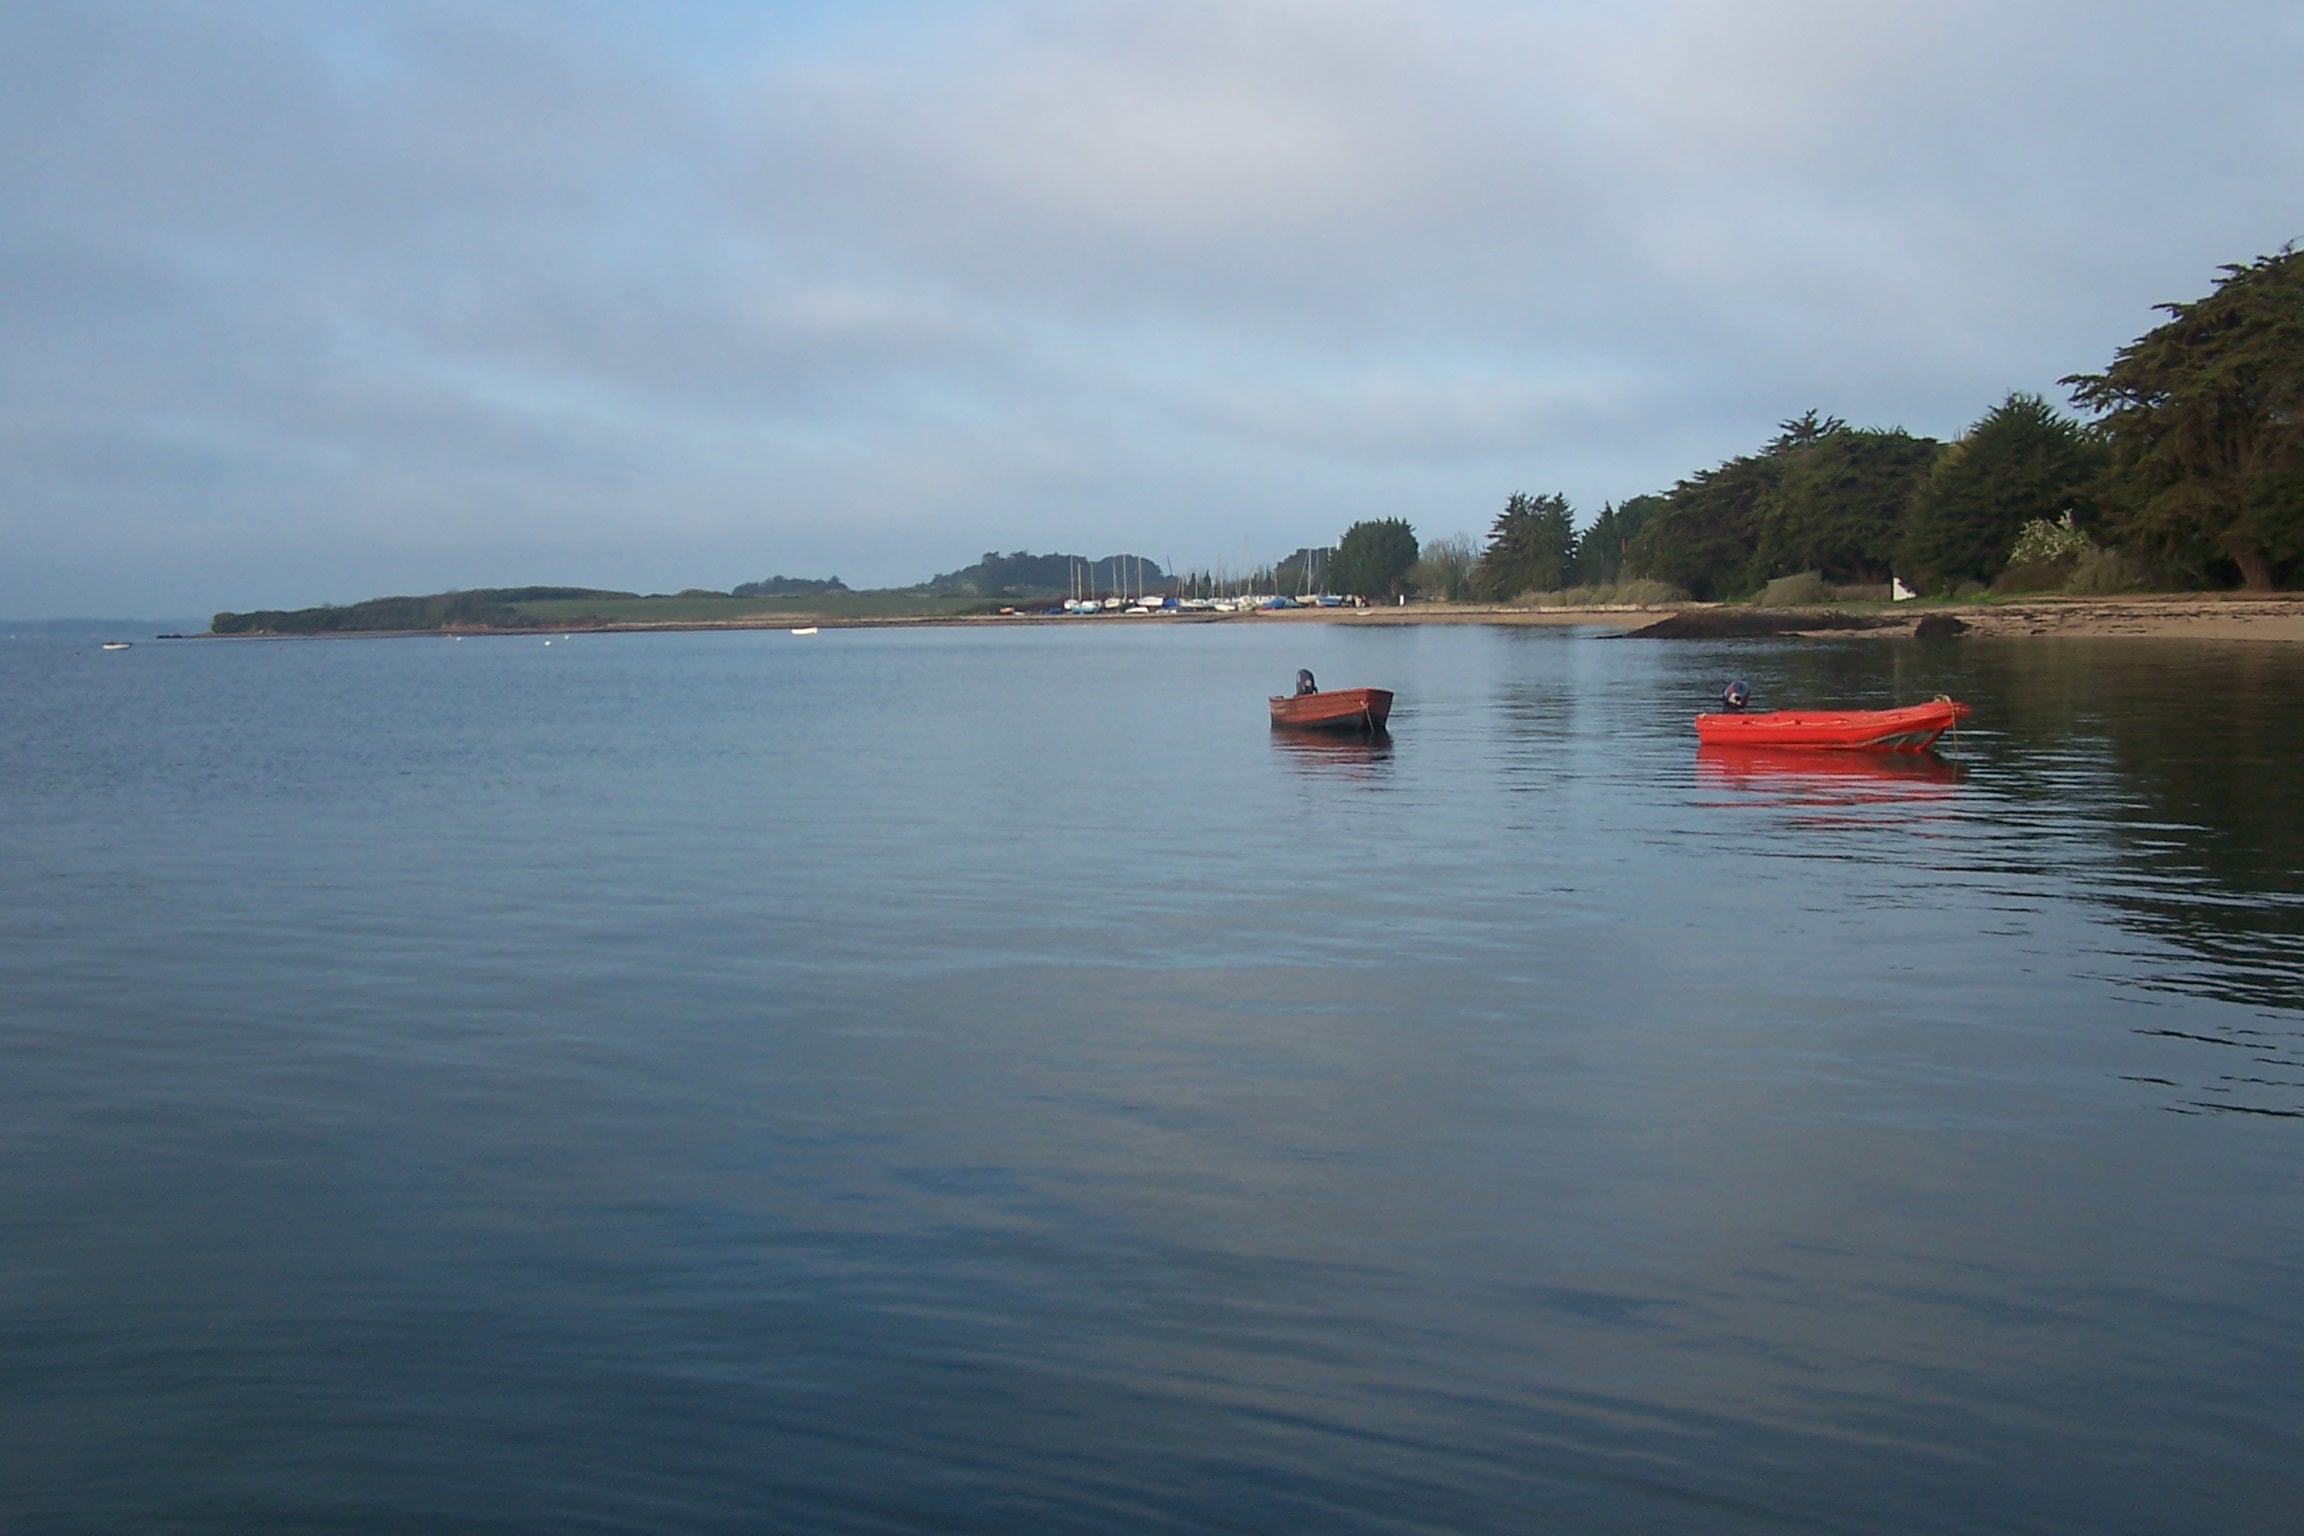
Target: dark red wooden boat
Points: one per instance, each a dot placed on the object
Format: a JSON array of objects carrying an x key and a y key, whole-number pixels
[
  {"x": 1913, "y": 728},
  {"x": 1333, "y": 709}
]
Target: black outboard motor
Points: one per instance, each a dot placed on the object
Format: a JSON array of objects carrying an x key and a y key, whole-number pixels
[
  {"x": 1736, "y": 695},
  {"x": 1304, "y": 683}
]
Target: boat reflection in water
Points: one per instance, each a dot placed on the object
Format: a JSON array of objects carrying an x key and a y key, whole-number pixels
[
  {"x": 1356, "y": 754},
  {"x": 1791, "y": 776}
]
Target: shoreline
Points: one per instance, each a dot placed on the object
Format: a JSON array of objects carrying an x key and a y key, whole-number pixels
[{"x": 2276, "y": 617}]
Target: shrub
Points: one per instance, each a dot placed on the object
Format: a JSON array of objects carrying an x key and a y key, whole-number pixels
[
  {"x": 2033, "y": 576},
  {"x": 1647, "y": 592},
  {"x": 1639, "y": 592},
  {"x": 2043, "y": 543},
  {"x": 2102, "y": 572},
  {"x": 1805, "y": 590}
]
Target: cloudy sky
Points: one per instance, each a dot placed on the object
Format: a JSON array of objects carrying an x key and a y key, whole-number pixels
[{"x": 320, "y": 299}]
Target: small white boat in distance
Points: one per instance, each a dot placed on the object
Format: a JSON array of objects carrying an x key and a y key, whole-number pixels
[
  {"x": 116, "y": 645},
  {"x": 811, "y": 629}
]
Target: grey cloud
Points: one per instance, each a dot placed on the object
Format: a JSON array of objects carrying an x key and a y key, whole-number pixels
[{"x": 395, "y": 294}]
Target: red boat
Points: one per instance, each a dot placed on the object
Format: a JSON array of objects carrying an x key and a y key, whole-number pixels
[
  {"x": 1911, "y": 729},
  {"x": 1333, "y": 709}
]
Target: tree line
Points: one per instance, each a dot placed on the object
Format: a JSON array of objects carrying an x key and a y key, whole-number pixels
[{"x": 2187, "y": 471}]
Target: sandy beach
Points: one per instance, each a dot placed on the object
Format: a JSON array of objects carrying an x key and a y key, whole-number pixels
[{"x": 2191, "y": 616}]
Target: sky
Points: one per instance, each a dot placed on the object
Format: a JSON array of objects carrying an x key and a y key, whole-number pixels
[{"x": 310, "y": 301}]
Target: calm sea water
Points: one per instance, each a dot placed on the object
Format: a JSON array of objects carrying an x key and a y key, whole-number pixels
[{"x": 983, "y": 1080}]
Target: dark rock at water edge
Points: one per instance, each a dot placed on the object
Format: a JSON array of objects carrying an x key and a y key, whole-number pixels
[
  {"x": 1751, "y": 624},
  {"x": 1939, "y": 626}
]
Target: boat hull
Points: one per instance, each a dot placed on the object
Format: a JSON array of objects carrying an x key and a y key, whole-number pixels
[
  {"x": 1333, "y": 709},
  {"x": 1911, "y": 729}
]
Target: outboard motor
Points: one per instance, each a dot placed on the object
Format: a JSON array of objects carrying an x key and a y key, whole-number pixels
[
  {"x": 1736, "y": 695},
  {"x": 1304, "y": 683}
]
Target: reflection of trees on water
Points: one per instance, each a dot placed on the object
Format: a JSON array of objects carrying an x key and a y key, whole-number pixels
[
  {"x": 2196, "y": 760},
  {"x": 2169, "y": 783},
  {"x": 2182, "y": 761}
]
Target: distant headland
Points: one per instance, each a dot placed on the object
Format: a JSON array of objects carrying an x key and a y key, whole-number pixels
[{"x": 995, "y": 583}]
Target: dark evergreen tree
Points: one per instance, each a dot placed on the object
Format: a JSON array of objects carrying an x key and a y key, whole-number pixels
[
  {"x": 1703, "y": 535},
  {"x": 1529, "y": 548},
  {"x": 2204, "y": 417},
  {"x": 1805, "y": 431},
  {"x": 1372, "y": 559},
  {"x": 2024, "y": 461},
  {"x": 1839, "y": 501},
  {"x": 1600, "y": 549}
]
